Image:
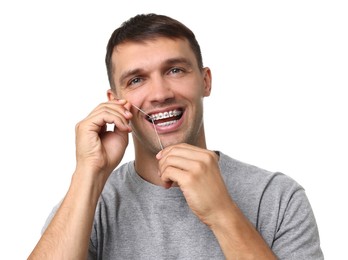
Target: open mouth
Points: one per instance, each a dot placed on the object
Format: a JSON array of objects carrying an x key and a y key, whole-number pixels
[{"x": 165, "y": 118}]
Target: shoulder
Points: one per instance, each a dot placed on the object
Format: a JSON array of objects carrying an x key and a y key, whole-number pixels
[
  {"x": 257, "y": 190},
  {"x": 118, "y": 183},
  {"x": 248, "y": 176}
]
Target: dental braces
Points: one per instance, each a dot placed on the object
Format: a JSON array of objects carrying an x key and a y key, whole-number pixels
[{"x": 153, "y": 123}]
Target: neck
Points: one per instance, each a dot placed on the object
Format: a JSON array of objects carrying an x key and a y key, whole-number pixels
[{"x": 146, "y": 164}]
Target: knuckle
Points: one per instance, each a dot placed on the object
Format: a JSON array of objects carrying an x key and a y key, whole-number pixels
[{"x": 78, "y": 126}]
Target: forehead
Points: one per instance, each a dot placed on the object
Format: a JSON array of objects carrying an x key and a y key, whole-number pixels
[{"x": 150, "y": 53}]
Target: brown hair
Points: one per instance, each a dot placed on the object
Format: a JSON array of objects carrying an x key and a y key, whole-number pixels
[{"x": 144, "y": 27}]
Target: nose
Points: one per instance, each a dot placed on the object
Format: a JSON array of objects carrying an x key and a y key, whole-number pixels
[{"x": 160, "y": 90}]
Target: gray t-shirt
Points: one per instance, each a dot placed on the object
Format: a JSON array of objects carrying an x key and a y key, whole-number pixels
[{"x": 138, "y": 220}]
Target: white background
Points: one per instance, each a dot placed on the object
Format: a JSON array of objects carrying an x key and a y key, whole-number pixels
[{"x": 279, "y": 100}]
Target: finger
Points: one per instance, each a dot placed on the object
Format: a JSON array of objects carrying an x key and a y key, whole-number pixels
[
  {"x": 184, "y": 149},
  {"x": 173, "y": 174},
  {"x": 112, "y": 112},
  {"x": 110, "y": 117},
  {"x": 98, "y": 121},
  {"x": 120, "y": 118},
  {"x": 181, "y": 156},
  {"x": 174, "y": 160},
  {"x": 112, "y": 107}
]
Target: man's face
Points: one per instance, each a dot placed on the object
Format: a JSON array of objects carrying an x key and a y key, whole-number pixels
[{"x": 162, "y": 78}]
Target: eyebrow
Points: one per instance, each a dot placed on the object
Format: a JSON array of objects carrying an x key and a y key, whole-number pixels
[
  {"x": 166, "y": 63},
  {"x": 174, "y": 61},
  {"x": 128, "y": 74}
]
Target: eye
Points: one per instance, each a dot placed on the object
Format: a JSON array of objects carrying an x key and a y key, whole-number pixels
[
  {"x": 175, "y": 70},
  {"x": 135, "y": 81}
]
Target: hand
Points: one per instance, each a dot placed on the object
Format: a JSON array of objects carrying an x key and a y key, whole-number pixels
[
  {"x": 99, "y": 150},
  {"x": 197, "y": 173}
]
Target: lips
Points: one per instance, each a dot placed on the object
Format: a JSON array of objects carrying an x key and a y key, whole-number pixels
[{"x": 165, "y": 118}]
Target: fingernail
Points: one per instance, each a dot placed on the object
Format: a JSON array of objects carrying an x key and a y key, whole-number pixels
[{"x": 159, "y": 155}]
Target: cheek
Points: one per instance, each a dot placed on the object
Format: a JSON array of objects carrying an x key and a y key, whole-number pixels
[
  {"x": 192, "y": 92},
  {"x": 134, "y": 97},
  {"x": 190, "y": 87},
  {"x": 198, "y": 87}
]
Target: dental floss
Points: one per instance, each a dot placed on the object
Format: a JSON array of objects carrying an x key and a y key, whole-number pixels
[{"x": 153, "y": 123}]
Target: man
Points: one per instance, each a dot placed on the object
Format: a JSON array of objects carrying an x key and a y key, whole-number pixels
[{"x": 177, "y": 199}]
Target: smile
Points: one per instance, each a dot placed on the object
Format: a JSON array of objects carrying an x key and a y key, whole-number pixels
[{"x": 165, "y": 118}]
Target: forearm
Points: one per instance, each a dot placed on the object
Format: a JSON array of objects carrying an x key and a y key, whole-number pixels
[
  {"x": 238, "y": 238},
  {"x": 68, "y": 234}
]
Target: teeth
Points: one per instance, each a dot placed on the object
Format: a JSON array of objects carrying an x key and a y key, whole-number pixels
[
  {"x": 165, "y": 115},
  {"x": 167, "y": 123}
]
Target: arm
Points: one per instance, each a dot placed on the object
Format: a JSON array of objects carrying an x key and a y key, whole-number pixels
[
  {"x": 207, "y": 196},
  {"x": 237, "y": 236},
  {"x": 98, "y": 152}
]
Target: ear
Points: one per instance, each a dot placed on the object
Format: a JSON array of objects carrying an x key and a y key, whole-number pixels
[
  {"x": 111, "y": 94},
  {"x": 207, "y": 81}
]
